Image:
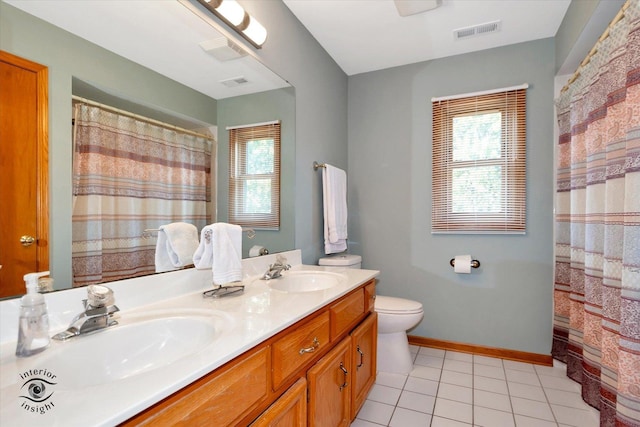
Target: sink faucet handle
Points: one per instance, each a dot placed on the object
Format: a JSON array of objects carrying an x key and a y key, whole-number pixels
[{"x": 99, "y": 296}]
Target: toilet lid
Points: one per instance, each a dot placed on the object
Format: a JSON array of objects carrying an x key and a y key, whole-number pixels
[{"x": 384, "y": 304}]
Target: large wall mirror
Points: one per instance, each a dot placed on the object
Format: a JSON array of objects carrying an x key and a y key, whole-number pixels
[{"x": 149, "y": 58}]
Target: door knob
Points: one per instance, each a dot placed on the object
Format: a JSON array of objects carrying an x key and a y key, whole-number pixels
[{"x": 27, "y": 240}]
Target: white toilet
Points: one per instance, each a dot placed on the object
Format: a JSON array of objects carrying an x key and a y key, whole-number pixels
[{"x": 395, "y": 317}]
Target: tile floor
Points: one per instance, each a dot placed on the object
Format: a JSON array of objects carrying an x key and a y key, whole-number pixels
[{"x": 449, "y": 389}]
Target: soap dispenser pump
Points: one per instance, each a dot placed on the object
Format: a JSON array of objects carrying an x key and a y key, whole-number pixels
[{"x": 33, "y": 332}]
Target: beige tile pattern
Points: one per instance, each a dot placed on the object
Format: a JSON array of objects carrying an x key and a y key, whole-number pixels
[{"x": 450, "y": 389}]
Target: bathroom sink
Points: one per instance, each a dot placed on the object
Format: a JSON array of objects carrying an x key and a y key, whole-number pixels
[
  {"x": 140, "y": 345},
  {"x": 306, "y": 281}
]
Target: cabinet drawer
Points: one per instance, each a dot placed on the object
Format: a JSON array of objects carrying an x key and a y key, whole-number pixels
[
  {"x": 222, "y": 399},
  {"x": 298, "y": 347},
  {"x": 369, "y": 296},
  {"x": 346, "y": 313}
]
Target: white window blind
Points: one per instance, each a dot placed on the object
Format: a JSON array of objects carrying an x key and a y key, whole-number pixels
[
  {"x": 254, "y": 176},
  {"x": 479, "y": 176}
]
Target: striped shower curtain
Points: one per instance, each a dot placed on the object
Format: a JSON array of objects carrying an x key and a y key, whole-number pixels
[
  {"x": 597, "y": 280},
  {"x": 130, "y": 176}
]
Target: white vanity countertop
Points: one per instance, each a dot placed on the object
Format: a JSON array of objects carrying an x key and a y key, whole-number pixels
[{"x": 248, "y": 319}]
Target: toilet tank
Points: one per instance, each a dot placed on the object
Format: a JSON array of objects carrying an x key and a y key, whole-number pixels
[{"x": 342, "y": 260}]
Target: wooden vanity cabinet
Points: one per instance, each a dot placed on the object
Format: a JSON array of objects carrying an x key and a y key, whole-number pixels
[{"x": 316, "y": 372}]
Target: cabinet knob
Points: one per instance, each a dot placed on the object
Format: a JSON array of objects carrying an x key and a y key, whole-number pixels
[{"x": 311, "y": 349}]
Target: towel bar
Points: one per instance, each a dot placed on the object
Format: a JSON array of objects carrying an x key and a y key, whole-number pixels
[
  {"x": 251, "y": 233},
  {"x": 317, "y": 165}
]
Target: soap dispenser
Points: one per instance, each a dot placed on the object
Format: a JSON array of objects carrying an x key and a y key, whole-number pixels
[{"x": 33, "y": 332}]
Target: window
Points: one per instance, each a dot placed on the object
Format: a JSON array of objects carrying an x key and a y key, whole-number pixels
[
  {"x": 254, "y": 175},
  {"x": 479, "y": 145}
]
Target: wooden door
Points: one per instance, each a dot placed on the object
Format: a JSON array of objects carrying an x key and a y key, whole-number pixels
[
  {"x": 364, "y": 341},
  {"x": 329, "y": 382},
  {"x": 24, "y": 171}
]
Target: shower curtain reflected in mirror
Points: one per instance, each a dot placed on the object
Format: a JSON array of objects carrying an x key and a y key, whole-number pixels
[{"x": 131, "y": 175}]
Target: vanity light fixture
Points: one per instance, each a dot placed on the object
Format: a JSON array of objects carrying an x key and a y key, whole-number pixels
[{"x": 237, "y": 18}]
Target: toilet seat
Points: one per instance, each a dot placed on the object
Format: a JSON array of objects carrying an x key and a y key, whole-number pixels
[{"x": 393, "y": 305}]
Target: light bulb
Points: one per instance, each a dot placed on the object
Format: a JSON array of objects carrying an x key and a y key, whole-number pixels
[
  {"x": 255, "y": 31},
  {"x": 232, "y": 11}
]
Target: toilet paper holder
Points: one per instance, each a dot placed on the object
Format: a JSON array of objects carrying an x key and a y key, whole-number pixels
[{"x": 474, "y": 263}]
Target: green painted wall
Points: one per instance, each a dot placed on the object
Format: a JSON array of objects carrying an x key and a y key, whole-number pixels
[{"x": 507, "y": 302}]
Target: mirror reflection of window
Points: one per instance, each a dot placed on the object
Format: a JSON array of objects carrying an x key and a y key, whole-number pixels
[
  {"x": 132, "y": 174},
  {"x": 254, "y": 175}
]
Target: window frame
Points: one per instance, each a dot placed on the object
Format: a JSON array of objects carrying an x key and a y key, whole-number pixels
[
  {"x": 511, "y": 219},
  {"x": 239, "y": 138}
]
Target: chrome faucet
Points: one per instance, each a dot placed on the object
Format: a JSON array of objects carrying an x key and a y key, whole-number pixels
[
  {"x": 275, "y": 269},
  {"x": 98, "y": 313}
]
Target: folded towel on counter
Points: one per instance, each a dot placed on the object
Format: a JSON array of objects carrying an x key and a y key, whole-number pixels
[
  {"x": 221, "y": 250},
  {"x": 227, "y": 253},
  {"x": 334, "y": 195},
  {"x": 175, "y": 246}
]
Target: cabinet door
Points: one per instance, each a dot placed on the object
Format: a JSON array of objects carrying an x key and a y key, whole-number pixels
[
  {"x": 290, "y": 410},
  {"x": 330, "y": 388},
  {"x": 364, "y": 345}
]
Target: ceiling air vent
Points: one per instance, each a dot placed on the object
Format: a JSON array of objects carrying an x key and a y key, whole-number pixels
[
  {"x": 234, "y": 82},
  {"x": 476, "y": 30}
]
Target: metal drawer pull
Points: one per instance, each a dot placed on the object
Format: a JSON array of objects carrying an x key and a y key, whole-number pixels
[
  {"x": 311, "y": 349},
  {"x": 345, "y": 372},
  {"x": 361, "y": 357}
]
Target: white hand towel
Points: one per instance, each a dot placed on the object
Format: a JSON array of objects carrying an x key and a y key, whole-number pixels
[
  {"x": 334, "y": 194},
  {"x": 227, "y": 253},
  {"x": 203, "y": 257},
  {"x": 175, "y": 246}
]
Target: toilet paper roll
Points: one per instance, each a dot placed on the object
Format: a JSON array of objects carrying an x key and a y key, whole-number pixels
[
  {"x": 257, "y": 250},
  {"x": 462, "y": 264}
]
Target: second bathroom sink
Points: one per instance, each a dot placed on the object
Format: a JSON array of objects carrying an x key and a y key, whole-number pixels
[{"x": 306, "y": 281}]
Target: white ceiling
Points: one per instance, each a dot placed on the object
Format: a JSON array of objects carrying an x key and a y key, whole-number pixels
[
  {"x": 360, "y": 35},
  {"x": 368, "y": 35},
  {"x": 161, "y": 35}
]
